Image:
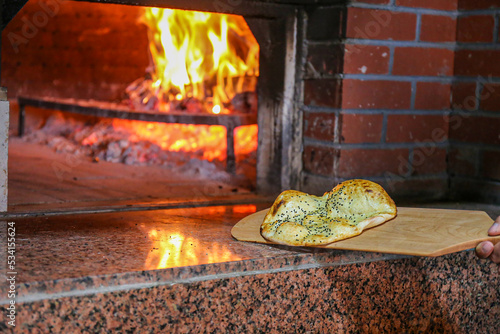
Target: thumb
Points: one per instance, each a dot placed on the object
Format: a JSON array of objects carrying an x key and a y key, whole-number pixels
[{"x": 484, "y": 249}]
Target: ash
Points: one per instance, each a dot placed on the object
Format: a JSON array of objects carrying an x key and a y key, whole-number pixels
[{"x": 98, "y": 140}]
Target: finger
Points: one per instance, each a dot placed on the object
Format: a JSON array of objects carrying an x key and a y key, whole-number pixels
[
  {"x": 484, "y": 249},
  {"x": 495, "y": 255},
  {"x": 495, "y": 228}
]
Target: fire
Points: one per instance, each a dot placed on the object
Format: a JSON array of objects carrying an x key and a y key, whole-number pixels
[
  {"x": 206, "y": 56},
  {"x": 200, "y": 61},
  {"x": 175, "y": 248}
]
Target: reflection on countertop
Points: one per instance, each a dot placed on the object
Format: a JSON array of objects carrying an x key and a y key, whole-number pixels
[{"x": 93, "y": 244}]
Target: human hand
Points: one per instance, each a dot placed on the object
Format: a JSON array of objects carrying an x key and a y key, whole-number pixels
[{"x": 486, "y": 249}]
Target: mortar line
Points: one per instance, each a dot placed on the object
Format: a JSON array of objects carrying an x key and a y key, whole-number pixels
[
  {"x": 383, "y": 135},
  {"x": 413, "y": 43},
  {"x": 413, "y": 94},
  {"x": 496, "y": 28},
  {"x": 430, "y": 45},
  {"x": 399, "y": 9},
  {"x": 418, "y": 27},
  {"x": 379, "y": 178},
  {"x": 438, "y": 112},
  {"x": 372, "y": 146},
  {"x": 392, "y": 50},
  {"x": 406, "y": 78},
  {"x": 478, "y": 92}
]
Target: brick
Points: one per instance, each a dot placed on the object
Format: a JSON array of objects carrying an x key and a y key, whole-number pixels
[
  {"x": 360, "y": 128},
  {"x": 432, "y": 4},
  {"x": 462, "y": 161},
  {"x": 358, "y": 94},
  {"x": 477, "y": 62},
  {"x": 322, "y": 92},
  {"x": 489, "y": 99},
  {"x": 324, "y": 59},
  {"x": 475, "y": 129},
  {"x": 319, "y": 160},
  {"x": 416, "y": 128},
  {"x": 423, "y": 61},
  {"x": 476, "y": 28},
  {"x": 432, "y": 96},
  {"x": 491, "y": 164},
  {"x": 366, "y": 59},
  {"x": 326, "y": 23},
  {"x": 319, "y": 126},
  {"x": 371, "y": 162},
  {"x": 463, "y": 96},
  {"x": 477, "y": 4},
  {"x": 364, "y": 23},
  {"x": 438, "y": 28},
  {"x": 429, "y": 160}
]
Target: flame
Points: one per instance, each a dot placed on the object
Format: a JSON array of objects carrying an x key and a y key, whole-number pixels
[
  {"x": 206, "y": 56},
  {"x": 203, "y": 56}
]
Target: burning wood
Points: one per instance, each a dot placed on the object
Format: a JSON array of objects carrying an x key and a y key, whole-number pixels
[{"x": 200, "y": 62}]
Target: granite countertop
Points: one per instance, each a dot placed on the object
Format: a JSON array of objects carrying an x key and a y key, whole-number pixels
[{"x": 90, "y": 253}]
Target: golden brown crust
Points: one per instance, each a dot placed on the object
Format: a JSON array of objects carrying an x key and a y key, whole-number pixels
[{"x": 300, "y": 219}]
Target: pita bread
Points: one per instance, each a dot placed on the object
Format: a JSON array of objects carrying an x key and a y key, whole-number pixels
[{"x": 300, "y": 219}]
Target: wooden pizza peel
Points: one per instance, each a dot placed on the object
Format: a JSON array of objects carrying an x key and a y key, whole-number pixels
[{"x": 414, "y": 231}]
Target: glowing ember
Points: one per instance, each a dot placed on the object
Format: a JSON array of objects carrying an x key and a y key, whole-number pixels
[
  {"x": 201, "y": 62},
  {"x": 207, "y": 140}
]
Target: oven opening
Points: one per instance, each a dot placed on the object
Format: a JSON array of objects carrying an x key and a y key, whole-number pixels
[{"x": 131, "y": 105}]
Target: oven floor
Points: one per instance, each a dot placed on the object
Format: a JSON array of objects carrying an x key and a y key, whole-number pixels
[{"x": 43, "y": 181}]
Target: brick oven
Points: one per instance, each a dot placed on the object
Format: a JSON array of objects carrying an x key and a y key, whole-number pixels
[{"x": 402, "y": 92}]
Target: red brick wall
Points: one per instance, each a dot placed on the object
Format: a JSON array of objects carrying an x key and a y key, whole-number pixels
[
  {"x": 407, "y": 64},
  {"x": 73, "y": 50},
  {"x": 392, "y": 119}
]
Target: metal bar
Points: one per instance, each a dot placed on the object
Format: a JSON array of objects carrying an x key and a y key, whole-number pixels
[
  {"x": 20, "y": 124},
  {"x": 230, "y": 153},
  {"x": 113, "y": 111},
  {"x": 229, "y": 121}
]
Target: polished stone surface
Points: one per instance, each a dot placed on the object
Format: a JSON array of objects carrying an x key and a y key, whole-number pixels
[
  {"x": 76, "y": 253},
  {"x": 451, "y": 294},
  {"x": 180, "y": 271}
]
